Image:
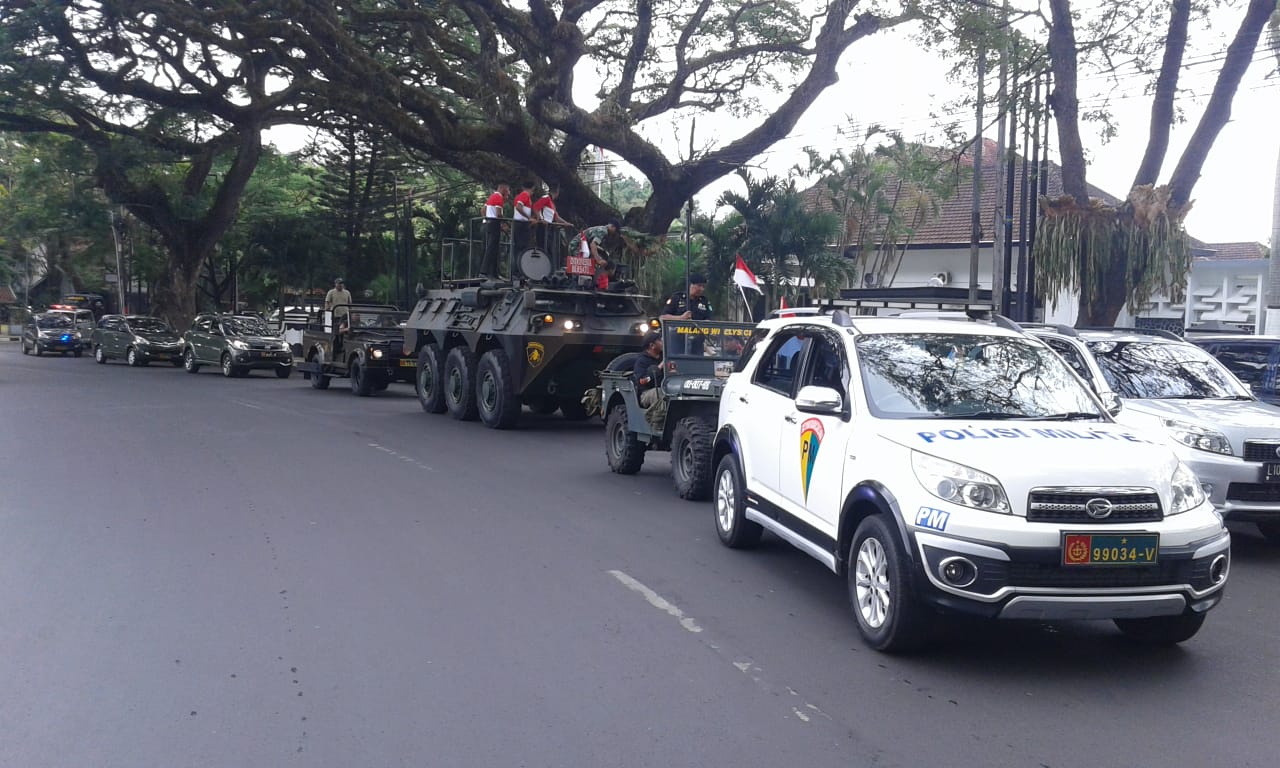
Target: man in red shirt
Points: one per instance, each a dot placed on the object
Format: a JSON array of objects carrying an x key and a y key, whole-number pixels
[
  {"x": 493, "y": 230},
  {"x": 522, "y": 216},
  {"x": 548, "y": 218}
]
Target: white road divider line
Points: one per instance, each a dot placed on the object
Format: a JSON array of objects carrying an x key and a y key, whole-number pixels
[{"x": 657, "y": 601}]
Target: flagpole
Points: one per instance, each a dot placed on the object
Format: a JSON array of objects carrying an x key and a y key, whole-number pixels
[{"x": 746, "y": 304}]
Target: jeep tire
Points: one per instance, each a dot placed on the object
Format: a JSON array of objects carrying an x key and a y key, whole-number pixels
[
  {"x": 361, "y": 379},
  {"x": 730, "y": 506},
  {"x": 496, "y": 400},
  {"x": 429, "y": 380},
  {"x": 889, "y": 615},
  {"x": 691, "y": 457},
  {"x": 622, "y": 448},
  {"x": 459, "y": 383}
]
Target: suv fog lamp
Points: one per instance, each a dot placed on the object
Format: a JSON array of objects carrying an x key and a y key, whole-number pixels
[
  {"x": 959, "y": 484},
  {"x": 958, "y": 571},
  {"x": 1198, "y": 437}
]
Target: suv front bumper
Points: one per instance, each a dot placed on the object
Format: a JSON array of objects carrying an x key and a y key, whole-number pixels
[
  {"x": 262, "y": 358},
  {"x": 1240, "y": 490}
]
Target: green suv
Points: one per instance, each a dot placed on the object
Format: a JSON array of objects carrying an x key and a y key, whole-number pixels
[
  {"x": 138, "y": 339},
  {"x": 237, "y": 344}
]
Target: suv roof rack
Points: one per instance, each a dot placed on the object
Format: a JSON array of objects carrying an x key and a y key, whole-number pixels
[
  {"x": 787, "y": 312},
  {"x": 975, "y": 314},
  {"x": 1160, "y": 332},
  {"x": 1065, "y": 330}
]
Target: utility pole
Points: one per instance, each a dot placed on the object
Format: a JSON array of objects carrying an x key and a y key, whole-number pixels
[
  {"x": 1024, "y": 204},
  {"x": 1006, "y": 260},
  {"x": 998, "y": 282},
  {"x": 975, "y": 221},
  {"x": 688, "y": 221}
]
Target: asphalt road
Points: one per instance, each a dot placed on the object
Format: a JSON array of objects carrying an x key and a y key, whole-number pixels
[{"x": 197, "y": 571}]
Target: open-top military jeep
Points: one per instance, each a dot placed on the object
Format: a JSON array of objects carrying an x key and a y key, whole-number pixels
[
  {"x": 365, "y": 344},
  {"x": 697, "y": 358}
]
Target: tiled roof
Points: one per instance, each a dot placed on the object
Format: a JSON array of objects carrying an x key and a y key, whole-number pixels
[
  {"x": 953, "y": 224},
  {"x": 1233, "y": 251},
  {"x": 7, "y": 296}
]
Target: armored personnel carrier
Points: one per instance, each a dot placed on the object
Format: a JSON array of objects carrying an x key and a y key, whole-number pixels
[{"x": 486, "y": 348}]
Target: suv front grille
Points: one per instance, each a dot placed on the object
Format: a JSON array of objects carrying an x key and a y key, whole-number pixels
[
  {"x": 1253, "y": 492},
  {"x": 1183, "y": 571},
  {"x": 1255, "y": 450},
  {"x": 1070, "y": 505}
]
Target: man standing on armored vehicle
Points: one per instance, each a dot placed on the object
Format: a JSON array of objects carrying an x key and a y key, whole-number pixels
[
  {"x": 493, "y": 230},
  {"x": 597, "y": 243}
]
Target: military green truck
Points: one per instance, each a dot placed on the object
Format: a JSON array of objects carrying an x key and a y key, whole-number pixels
[
  {"x": 361, "y": 342},
  {"x": 697, "y": 357},
  {"x": 486, "y": 349}
]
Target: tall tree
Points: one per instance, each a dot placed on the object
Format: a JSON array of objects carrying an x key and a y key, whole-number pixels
[
  {"x": 490, "y": 87},
  {"x": 171, "y": 101}
]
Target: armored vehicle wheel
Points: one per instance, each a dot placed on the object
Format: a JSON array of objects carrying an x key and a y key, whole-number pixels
[
  {"x": 496, "y": 400},
  {"x": 691, "y": 457},
  {"x": 189, "y": 361},
  {"x": 573, "y": 409},
  {"x": 621, "y": 446},
  {"x": 459, "y": 384},
  {"x": 732, "y": 525},
  {"x": 1162, "y": 630},
  {"x": 888, "y": 613},
  {"x": 284, "y": 373},
  {"x": 361, "y": 380},
  {"x": 429, "y": 381}
]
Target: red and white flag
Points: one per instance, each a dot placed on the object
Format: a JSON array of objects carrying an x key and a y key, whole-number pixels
[
  {"x": 782, "y": 302},
  {"x": 743, "y": 277}
]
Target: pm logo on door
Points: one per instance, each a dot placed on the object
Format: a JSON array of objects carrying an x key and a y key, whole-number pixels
[{"x": 811, "y": 434}]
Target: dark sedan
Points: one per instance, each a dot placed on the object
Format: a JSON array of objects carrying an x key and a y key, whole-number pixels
[
  {"x": 138, "y": 339},
  {"x": 237, "y": 344},
  {"x": 50, "y": 332}
]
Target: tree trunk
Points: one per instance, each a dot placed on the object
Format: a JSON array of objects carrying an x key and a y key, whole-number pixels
[
  {"x": 1065, "y": 101},
  {"x": 1273, "y": 292},
  {"x": 1166, "y": 89},
  {"x": 1218, "y": 111}
]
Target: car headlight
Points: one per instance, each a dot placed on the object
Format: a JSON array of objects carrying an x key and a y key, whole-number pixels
[
  {"x": 1187, "y": 492},
  {"x": 238, "y": 344},
  {"x": 1198, "y": 437},
  {"x": 141, "y": 341},
  {"x": 377, "y": 354},
  {"x": 959, "y": 484}
]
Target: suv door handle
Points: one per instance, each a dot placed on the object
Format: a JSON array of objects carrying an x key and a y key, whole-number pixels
[
  {"x": 790, "y": 418},
  {"x": 742, "y": 399}
]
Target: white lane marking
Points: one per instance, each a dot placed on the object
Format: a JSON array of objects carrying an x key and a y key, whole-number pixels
[
  {"x": 800, "y": 714},
  {"x": 657, "y": 601},
  {"x": 401, "y": 457},
  {"x": 248, "y": 405}
]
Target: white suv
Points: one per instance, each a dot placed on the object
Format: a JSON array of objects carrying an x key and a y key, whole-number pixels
[{"x": 960, "y": 467}]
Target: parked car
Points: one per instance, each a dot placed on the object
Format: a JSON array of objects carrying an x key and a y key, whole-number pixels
[
  {"x": 50, "y": 332},
  {"x": 235, "y": 343},
  {"x": 138, "y": 339},
  {"x": 941, "y": 466},
  {"x": 1255, "y": 360},
  {"x": 1173, "y": 388}
]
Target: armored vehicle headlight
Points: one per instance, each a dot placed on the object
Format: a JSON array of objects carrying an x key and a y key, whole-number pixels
[
  {"x": 238, "y": 344},
  {"x": 959, "y": 484},
  {"x": 569, "y": 325},
  {"x": 377, "y": 354},
  {"x": 1187, "y": 493},
  {"x": 642, "y": 327},
  {"x": 1198, "y": 437}
]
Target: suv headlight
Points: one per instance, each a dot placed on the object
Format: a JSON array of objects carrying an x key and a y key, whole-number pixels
[
  {"x": 1187, "y": 493},
  {"x": 1198, "y": 437},
  {"x": 140, "y": 341},
  {"x": 238, "y": 344},
  {"x": 959, "y": 484}
]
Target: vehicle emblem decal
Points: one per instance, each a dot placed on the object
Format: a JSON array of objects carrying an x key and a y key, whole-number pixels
[
  {"x": 1278, "y": 450},
  {"x": 811, "y": 434},
  {"x": 1098, "y": 509},
  {"x": 536, "y": 353}
]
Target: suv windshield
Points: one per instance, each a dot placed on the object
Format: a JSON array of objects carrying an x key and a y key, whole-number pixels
[
  {"x": 371, "y": 319},
  {"x": 245, "y": 326},
  {"x": 148, "y": 325},
  {"x": 54, "y": 321},
  {"x": 933, "y": 375},
  {"x": 1155, "y": 370}
]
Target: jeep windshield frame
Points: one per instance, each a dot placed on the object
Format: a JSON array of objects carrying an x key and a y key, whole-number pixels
[{"x": 927, "y": 375}]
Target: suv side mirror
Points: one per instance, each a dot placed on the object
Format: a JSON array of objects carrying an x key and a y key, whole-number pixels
[
  {"x": 819, "y": 400},
  {"x": 1112, "y": 402}
]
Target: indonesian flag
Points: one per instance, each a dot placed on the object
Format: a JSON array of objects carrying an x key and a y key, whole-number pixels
[
  {"x": 743, "y": 277},
  {"x": 782, "y": 302}
]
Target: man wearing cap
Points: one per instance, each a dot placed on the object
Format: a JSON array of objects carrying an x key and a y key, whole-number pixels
[
  {"x": 594, "y": 242},
  {"x": 647, "y": 374},
  {"x": 691, "y": 306}
]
